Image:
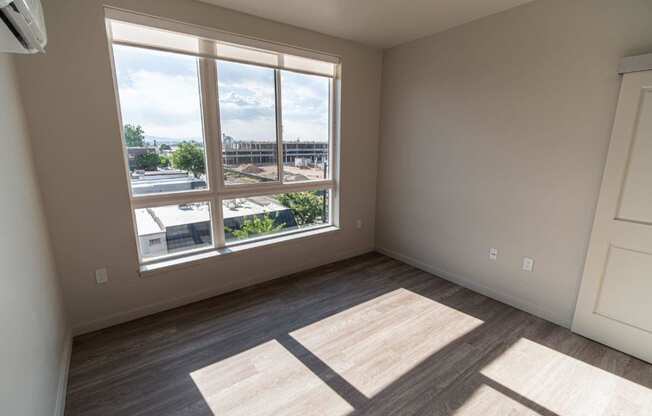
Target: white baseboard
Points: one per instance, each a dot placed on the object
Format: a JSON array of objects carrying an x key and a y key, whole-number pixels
[
  {"x": 64, "y": 366},
  {"x": 471, "y": 284},
  {"x": 153, "y": 308}
]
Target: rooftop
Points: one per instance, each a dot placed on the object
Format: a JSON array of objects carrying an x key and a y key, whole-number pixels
[{"x": 156, "y": 220}]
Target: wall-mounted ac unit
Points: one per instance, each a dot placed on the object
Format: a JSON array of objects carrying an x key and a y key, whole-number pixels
[{"x": 22, "y": 29}]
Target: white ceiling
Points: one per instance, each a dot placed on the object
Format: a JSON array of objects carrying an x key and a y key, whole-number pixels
[{"x": 382, "y": 23}]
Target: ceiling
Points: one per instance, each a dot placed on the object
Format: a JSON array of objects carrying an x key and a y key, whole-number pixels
[{"x": 381, "y": 23}]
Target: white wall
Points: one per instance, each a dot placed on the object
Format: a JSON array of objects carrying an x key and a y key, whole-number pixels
[
  {"x": 494, "y": 134},
  {"x": 77, "y": 148},
  {"x": 33, "y": 336}
]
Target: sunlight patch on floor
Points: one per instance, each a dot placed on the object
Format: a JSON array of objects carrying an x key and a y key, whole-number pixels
[
  {"x": 266, "y": 380},
  {"x": 565, "y": 385},
  {"x": 373, "y": 344},
  {"x": 487, "y": 401}
]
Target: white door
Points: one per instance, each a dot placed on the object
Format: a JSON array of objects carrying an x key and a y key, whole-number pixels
[{"x": 614, "y": 305}]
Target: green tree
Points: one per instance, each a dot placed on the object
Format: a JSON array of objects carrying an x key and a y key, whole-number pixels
[
  {"x": 307, "y": 207},
  {"x": 253, "y": 226},
  {"x": 164, "y": 147},
  {"x": 189, "y": 157},
  {"x": 164, "y": 161},
  {"x": 147, "y": 161},
  {"x": 134, "y": 135}
]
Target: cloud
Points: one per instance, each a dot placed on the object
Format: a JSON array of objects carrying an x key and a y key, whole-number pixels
[
  {"x": 235, "y": 106},
  {"x": 160, "y": 92},
  {"x": 305, "y": 107},
  {"x": 247, "y": 103},
  {"x": 166, "y": 106}
]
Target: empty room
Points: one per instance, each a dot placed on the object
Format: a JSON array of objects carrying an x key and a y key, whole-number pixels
[{"x": 327, "y": 208}]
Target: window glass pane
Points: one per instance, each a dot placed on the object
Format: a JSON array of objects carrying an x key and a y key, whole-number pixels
[
  {"x": 173, "y": 229},
  {"x": 248, "y": 122},
  {"x": 260, "y": 216},
  {"x": 161, "y": 112},
  {"x": 306, "y": 123}
]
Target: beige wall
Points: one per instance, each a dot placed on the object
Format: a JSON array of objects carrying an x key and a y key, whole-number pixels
[
  {"x": 34, "y": 342},
  {"x": 76, "y": 140},
  {"x": 494, "y": 134}
]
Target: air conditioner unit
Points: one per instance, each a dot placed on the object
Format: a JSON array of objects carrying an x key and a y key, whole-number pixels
[{"x": 22, "y": 29}]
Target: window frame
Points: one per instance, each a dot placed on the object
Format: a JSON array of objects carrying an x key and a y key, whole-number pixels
[{"x": 217, "y": 190}]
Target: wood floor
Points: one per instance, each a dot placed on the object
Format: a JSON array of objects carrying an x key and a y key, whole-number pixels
[{"x": 367, "y": 336}]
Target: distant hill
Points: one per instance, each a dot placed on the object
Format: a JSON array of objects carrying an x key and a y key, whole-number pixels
[
  {"x": 171, "y": 141},
  {"x": 199, "y": 140}
]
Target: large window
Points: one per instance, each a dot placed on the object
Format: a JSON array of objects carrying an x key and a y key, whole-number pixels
[{"x": 227, "y": 140}]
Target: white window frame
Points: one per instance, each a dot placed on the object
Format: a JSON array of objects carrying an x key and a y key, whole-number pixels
[{"x": 217, "y": 191}]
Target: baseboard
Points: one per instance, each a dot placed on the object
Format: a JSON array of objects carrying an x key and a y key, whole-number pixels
[
  {"x": 153, "y": 308},
  {"x": 64, "y": 366},
  {"x": 471, "y": 284}
]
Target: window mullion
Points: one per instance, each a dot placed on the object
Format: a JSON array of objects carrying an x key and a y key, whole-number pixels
[
  {"x": 210, "y": 116},
  {"x": 218, "y": 215},
  {"x": 280, "y": 156},
  {"x": 334, "y": 148}
]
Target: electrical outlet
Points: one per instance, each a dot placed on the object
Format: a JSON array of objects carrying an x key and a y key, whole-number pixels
[
  {"x": 101, "y": 276},
  {"x": 528, "y": 264},
  {"x": 493, "y": 253},
  {"x": 358, "y": 224}
]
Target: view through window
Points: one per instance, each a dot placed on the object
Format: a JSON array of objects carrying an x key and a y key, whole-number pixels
[
  {"x": 162, "y": 120},
  {"x": 224, "y": 143},
  {"x": 247, "y": 101}
]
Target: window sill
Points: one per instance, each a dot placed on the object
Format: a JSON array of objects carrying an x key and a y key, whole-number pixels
[{"x": 194, "y": 259}]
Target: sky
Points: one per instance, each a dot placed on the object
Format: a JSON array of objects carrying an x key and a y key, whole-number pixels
[{"x": 160, "y": 92}]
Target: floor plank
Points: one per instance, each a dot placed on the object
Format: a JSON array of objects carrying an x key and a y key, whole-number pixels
[{"x": 366, "y": 336}]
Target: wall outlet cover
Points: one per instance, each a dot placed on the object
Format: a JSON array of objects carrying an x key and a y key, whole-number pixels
[
  {"x": 528, "y": 264},
  {"x": 493, "y": 253},
  {"x": 101, "y": 276}
]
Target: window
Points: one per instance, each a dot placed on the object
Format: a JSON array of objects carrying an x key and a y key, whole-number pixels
[{"x": 227, "y": 140}]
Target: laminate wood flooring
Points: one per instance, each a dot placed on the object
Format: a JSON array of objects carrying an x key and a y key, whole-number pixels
[{"x": 365, "y": 336}]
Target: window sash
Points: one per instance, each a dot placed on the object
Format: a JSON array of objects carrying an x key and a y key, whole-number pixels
[{"x": 217, "y": 191}]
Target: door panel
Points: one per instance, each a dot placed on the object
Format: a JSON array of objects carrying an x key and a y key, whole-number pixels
[
  {"x": 626, "y": 269},
  {"x": 614, "y": 305},
  {"x": 636, "y": 201}
]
